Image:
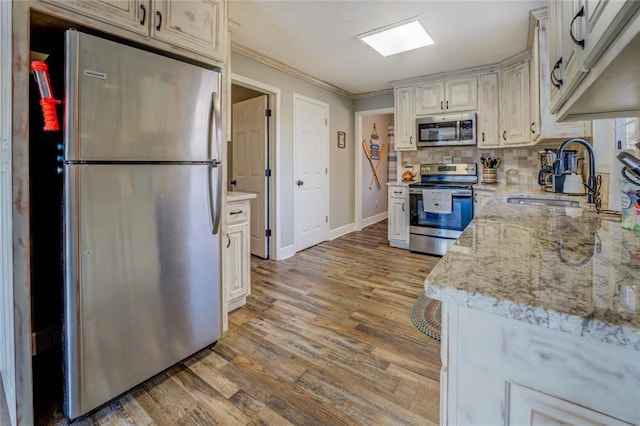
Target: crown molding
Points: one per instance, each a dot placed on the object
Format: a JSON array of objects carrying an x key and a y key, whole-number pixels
[{"x": 281, "y": 66}]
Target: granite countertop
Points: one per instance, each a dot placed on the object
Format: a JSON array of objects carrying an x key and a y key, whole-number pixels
[
  {"x": 566, "y": 269},
  {"x": 240, "y": 196},
  {"x": 401, "y": 182}
]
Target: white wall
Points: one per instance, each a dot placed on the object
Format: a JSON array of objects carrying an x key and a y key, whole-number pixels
[{"x": 341, "y": 174}]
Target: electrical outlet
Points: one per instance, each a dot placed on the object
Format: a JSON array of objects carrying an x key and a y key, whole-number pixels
[{"x": 447, "y": 159}]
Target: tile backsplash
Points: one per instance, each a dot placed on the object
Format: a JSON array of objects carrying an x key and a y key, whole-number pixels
[{"x": 526, "y": 160}]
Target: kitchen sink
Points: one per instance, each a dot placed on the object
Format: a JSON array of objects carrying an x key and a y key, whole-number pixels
[{"x": 549, "y": 202}]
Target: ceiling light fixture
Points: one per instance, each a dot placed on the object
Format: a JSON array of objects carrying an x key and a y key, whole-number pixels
[{"x": 399, "y": 37}]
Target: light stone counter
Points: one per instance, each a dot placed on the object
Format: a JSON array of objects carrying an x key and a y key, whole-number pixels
[
  {"x": 240, "y": 195},
  {"x": 565, "y": 269}
]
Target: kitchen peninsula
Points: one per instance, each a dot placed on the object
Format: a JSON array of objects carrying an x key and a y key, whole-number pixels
[{"x": 541, "y": 316}]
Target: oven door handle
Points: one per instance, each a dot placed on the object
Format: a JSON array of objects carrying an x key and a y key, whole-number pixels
[{"x": 464, "y": 193}]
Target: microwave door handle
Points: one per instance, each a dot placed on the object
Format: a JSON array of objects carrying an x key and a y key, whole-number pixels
[{"x": 458, "y": 132}]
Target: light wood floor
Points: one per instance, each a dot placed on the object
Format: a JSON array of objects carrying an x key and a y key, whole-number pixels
[{"x": 325, "y": 338}]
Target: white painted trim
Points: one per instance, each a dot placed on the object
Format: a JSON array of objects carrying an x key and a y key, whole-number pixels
[
  {"x": 358, "y": 221},
  {"x": 287, "y": 252},
  {"x": 7, "y": 313},
  {"x": 368, "y": 221},
  {"x": 7, "y": 355},
  {"x": 297, "y": 97},
  {"x": 275, "y": 191},
  {"x": 339, "y": 232}
]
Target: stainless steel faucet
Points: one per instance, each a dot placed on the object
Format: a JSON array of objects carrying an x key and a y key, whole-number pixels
[{"x": 591, "y": 179}]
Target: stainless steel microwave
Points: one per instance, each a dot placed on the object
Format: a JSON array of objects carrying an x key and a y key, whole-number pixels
[{"x": 446, "y": 130}]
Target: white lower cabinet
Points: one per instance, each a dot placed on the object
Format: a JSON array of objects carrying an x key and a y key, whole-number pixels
[
  {"x": 236, "y": 255},
  {"x": 398, "y": 223},
  {"x": 480, "y": 198},
  {"x": 500, "y": 371}
]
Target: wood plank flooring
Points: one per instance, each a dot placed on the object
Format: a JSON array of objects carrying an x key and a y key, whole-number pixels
[{"x": 325, "y": 339}]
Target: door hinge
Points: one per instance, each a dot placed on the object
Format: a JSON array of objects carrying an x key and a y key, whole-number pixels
[
  {"x": 267, "y": 232},
  {"x": 267, "y": 172},
  {"x": 267, "y": 113},
  {"x": 326, "y": 171},
  {"x": 326, "y": 219},
  {"x": 326, "y": 121}
]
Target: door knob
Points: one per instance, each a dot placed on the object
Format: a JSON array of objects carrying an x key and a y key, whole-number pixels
[
  {"x": 299, "y": 183},
  {"x": 233, "y": 182}
]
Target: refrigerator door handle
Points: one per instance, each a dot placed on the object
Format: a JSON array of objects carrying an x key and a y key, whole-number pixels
[
  {"x": 215, "y": 195},
  {"x": 215, "y": 131}
]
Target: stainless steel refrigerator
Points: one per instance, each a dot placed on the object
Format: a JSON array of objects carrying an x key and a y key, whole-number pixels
[{"x": 141, "y": 214}]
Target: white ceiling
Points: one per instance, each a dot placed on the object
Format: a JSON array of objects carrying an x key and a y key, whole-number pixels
[{"x": 319, "y": 37}]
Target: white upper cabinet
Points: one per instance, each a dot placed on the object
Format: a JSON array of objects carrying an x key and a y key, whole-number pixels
[
  {"x": 447, "y": 96},
  {"x": 602, "y": 20},
  {"x": 192, "y": 25},
  {"x": 543, "y": 124},
  {"x": 404, "y": 119},
  {"x": 196, "y": 25},
  {"x": 488, "y": 120},
  {"x": 564, "y": 39},
  {"x": 132, "y": 15},
  {"x": 594, "y": 58},
  {"x": 514, "y": 105}
]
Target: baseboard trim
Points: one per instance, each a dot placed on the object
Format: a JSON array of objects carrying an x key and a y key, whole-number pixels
[
  {"x": 339, "y": 232},
  {"x": 285, "y": 252},
  {"x": 374, "y": 219}
]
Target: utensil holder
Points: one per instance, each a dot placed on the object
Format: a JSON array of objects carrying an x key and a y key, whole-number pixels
[{"x": 489, "y": 175}]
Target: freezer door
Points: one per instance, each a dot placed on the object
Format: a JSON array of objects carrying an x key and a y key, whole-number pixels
[
  {"x": 127, "y": 104},
  {"x": 142, "y": 277}
]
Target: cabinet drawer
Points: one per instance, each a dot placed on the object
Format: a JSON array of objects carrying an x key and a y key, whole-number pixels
[
  {"x": 398, "y": 192},
  {"x": 238, "y": 212}
]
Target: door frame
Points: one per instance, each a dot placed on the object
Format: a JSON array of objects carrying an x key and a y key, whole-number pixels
[
  {"x": 297, "y": 97},
  {"x": 9, "y": 371},
  {"x": 358, "y": 166},
  {"x": 273, "y": 204}
]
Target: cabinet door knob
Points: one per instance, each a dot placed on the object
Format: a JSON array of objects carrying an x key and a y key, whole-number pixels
[
  {"x": 299, "y": 183},
  {"x": 533, "y": 130},
  {"x": 159, "y": 15},
  {"x": 441, "y": 105},
  {"x": 402, "y": 206},
  {"x": 504, "y": 135},
  {"x": 578, "y": 15},
  {"x": 410, "y": 140},
  {"x": 447, "y": 105},
  {"x": 144, "y": 14},
  {"x": 482, "y": 136}
]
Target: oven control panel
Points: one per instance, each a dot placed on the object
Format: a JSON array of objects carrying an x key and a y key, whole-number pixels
[{"x": 449, "y": 169}]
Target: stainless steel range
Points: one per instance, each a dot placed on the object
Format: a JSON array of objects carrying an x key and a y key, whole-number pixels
[{"x": 441, "y": 206}]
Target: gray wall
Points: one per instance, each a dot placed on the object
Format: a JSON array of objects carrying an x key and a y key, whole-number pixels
[
  {"x": 341, "y": 175},
  {"x": 374, "y": 199},
  {"x": 375, "y": 102}
]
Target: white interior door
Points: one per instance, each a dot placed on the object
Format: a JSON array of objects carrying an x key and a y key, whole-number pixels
[
  {"x": 249, "y": 126},
  {"x": 311, "y": 146}
]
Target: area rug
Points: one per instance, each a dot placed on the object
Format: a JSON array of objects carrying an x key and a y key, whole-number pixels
[{"x": 425, "y": 315}]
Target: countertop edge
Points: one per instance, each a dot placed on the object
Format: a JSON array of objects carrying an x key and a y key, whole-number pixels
[
  {"x": 240, "y": 196},
  {"x": 594, "y": 329}
]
